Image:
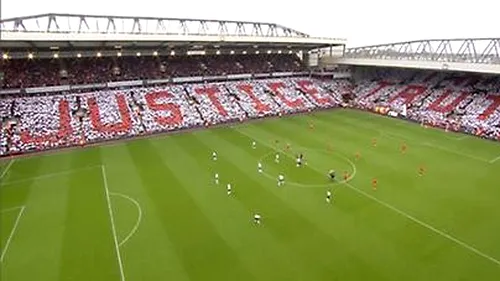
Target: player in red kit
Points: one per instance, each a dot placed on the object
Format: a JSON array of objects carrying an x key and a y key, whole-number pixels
[
  {"x": 374, "y": 183},
  {"x": 403, "y": 148},
  {"x": 421, "y": 170},
  {"x": 374, "y": 142},
  {"x": 357, "y": 155},
  {"x": 287, "y": 147},
  {"x": 346, "y": 175},
  {"x": 311, "y": 126}
]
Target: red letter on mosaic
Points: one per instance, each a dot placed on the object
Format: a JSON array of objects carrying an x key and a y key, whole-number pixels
[
  {"x": 64, "y": 131},
  {"x": 277, "y": 87},
  {"x": 257, "y": 103},
  {"x": 158, "y": 101},
  {"x": 211, "y": 93},
  {"x": 121, "y": 127}
]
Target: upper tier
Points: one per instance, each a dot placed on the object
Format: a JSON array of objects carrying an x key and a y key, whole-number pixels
[{"x": 27, "y": 73}]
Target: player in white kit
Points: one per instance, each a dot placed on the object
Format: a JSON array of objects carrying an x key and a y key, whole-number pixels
[
  {"x": 277, "y": 158},
  {"x": 216, "y": 178},
  {"x": 228, "y": 188},
  {"x": 214, "y": 156},
  {"x": 328, "y": 196},
  {"x": 256, "y": 218},
  {"x": 259, "y": 167},
  {"x": 254, "y": 145},
  {"x": 299, "y": 162},
  {"x": 300, "y": 159},
  {"x": 281, "y": 180}
]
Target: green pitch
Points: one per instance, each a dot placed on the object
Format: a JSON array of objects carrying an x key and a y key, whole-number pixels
[{"x": 150, "y": 209}]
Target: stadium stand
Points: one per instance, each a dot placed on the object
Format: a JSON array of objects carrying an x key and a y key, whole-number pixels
[
  {"x": 24, "y": 73},
  {"x": 464, "y": 103},
  {"x": 467, "y": 103},
  {"x": 40, "y": 122}
]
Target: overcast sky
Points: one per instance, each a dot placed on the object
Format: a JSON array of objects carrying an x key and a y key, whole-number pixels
[{"x": 361, "y": 22}]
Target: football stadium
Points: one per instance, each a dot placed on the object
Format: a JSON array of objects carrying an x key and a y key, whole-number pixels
[{"x": 188, "y": 149}]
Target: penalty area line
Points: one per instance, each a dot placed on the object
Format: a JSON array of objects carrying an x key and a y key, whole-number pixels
[
  {"x": 4, "y": 172},
  {"x": 425, "y": 225},
  {"x": 9, "y": 239},
  {"x": 455, "y": 151},
  {"x": 494, "y": 160},
  {"x": 434, "y": 146},
  {"x": 112, "y": 220},
  {"x": 11, "y": 209},
  {"x": 47, "y": 176}
]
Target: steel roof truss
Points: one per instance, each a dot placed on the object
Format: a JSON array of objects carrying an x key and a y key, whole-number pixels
[
  {"x": 467, "y": 51},
  {"x": 160, "y": 26},
  {"x": 443, "y": 51},
  {"x": 492, "y": 50},
  {"x": 52, "y": 24},
  {"x": 70, "y": 23}
]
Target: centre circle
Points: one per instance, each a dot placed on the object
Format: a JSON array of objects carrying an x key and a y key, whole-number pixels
[{"x": 287, "y": 164}]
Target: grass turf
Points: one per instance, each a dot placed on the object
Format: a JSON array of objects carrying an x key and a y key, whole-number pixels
[{"x": 166, "y": 219}]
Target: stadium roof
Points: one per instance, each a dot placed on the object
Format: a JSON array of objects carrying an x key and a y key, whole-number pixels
[
  {"x": 472, "y": 50},
  {"x": 91, "y": 31},
  {"x": 478, "y": 55}
]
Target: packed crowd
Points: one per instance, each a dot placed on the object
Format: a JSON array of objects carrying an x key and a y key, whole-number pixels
[
  {"x": 45, "y": 122},
  {"x": 464, "y": 103},
  {"x": 457, "y": 102},
  {"x": 25, "y": 73}
]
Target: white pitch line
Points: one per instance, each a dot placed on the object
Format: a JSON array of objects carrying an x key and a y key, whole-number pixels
[
  {"x": 291, "y": 183},
  {"x": 494, "y": 160},
  {"x": 50, "y": 175},
  {"x": 7, "y": 168},
  {"x": 113, "y": 227},
  {"x": 10, "y": 209},
  {"x": 455, "y": 152},
  {"x": 412, "y": 218},
  {"x": 4, "y": 250},
  {"x": 435, "y": 230},
  {"x": 139, "y": 217}
]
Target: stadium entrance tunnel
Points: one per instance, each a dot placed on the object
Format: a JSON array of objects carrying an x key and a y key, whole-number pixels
[{"x": 314, "y": 170}]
